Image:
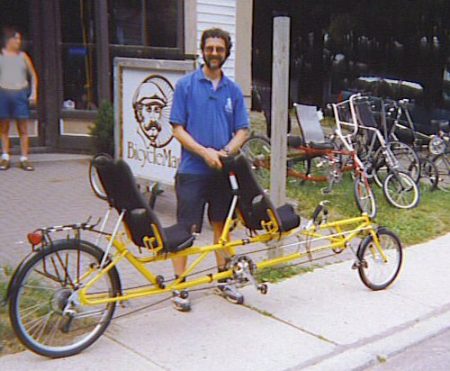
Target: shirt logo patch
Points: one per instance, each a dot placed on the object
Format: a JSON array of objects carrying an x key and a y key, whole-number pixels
[{"x": 229, "y": 106}]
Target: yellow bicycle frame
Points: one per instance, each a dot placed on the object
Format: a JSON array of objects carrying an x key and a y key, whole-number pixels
[{"x": 344, "y": 231}]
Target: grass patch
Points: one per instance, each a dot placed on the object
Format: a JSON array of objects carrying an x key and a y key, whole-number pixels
[
  {"x": 277, "y": 274},
  {"x": 429, "y": 220},
  {"x": 8, "y": 341}
]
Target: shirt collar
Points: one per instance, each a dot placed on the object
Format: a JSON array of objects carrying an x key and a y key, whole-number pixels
[{"x": 201, "y": 76}]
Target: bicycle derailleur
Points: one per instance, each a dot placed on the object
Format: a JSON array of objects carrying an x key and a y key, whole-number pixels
[{"x": 243, "y": 269}]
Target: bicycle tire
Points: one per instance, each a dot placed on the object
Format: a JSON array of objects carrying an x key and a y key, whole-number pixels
[
  {"x": 400, "y": 186},
  {"x": 365, "y": 198},
  {"x": 371, "y": 262},
  {"x": 442, "y": 162},
  {"x": 94, "y": 180},
  {"x": 40, "y": 297},
  {"x": 257, "y": 151},
  {"x": 407, "y": 159},
  {"x": 429, "y": 174}
]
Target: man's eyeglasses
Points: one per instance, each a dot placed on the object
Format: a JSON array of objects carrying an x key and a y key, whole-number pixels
[{"x": 218, "y": 49}]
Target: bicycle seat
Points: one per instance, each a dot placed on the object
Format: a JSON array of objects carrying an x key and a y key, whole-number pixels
[
  {"x": 321, "y": 145},
  {"x": 294, "y": 141},
  {"x": 254, "y": 204},
  {"x": 140, "y": 220}
]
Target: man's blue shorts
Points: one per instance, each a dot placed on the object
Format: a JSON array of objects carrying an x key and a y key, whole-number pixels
[
  {"x": 194, "y": 191},
  {"x": 14, "y": 104}
]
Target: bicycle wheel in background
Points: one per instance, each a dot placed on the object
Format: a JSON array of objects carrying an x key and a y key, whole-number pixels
[
  {"x": 365, "y": 198},
  {"x": 442, "y": 162},
  {"x": 45, "y": 309},
  {"x": 376, "y": 272},
  {"x": 257, "y": 151},
  {"x": 401, "y": 190},
  {"x": 94, "y": 180},
  {"x": 429, "y": 174},
  {"x": 407, "y": 158}
]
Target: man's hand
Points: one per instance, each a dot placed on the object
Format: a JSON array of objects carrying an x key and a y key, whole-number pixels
[{"x": 212, "y": 158}]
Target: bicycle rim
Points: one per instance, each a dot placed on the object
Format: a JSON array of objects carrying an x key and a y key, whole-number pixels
[
  {"x": 376, "y": 272},
  {"x": 45, "y": 311},
  {"x": 94, "y": 179},
  {"x": 429, "y": 175},
  {"x": 442, "y": 163},
  {"x": 401, "y": 191},
  {"x": 365, "y": 198}
]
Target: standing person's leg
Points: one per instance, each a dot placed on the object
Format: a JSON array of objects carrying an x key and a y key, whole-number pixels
[
  {"x": 21, "y": 112},
  {"x": 5, "y": 162},
  {"x": 22, "y": 128},
  {"x": 189, "y": 190}
]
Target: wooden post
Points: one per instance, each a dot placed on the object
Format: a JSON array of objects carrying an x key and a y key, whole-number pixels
[
  {"x": 280, "y": 111},
  {"x": 280, "y": 102}
]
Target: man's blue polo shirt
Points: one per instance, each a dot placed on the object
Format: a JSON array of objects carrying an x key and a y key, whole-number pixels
[{"x": 210, "y": 116}]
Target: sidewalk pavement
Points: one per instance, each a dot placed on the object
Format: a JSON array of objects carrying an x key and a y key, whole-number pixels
[{"x": 322, "y": 320}]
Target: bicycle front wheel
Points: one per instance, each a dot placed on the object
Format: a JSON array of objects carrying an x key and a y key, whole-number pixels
[
  {"x": 379, "y": 266},
  {"x": 257, "y": 151},
  {"x": 94, "y": 179},
  {"x": 401, "y": 190},
  {"x": 406, "y": 158},
  {"x": 442, "y": 163},
  {"x": 45, "y": 310},
  {"x": 365, "y": 198}
]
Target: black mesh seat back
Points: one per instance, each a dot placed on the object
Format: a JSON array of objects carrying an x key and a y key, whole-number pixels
[
  {"x": 364, "y": 114},
  {"x": 253, "y": 202},
  {"x": 122, "y": 192}
]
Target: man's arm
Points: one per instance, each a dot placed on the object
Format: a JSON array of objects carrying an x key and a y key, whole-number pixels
[
  {"x": 210, "y": 155},
  {"x": 237, "y": 141},
  {"x": 34, "y": 79}
]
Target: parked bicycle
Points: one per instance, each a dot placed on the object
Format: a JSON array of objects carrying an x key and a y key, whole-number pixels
[
  {"x": 62, "y": 297},
  {"x": 389, "y": 163}
]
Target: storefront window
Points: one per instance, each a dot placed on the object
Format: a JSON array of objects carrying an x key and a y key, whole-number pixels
[
  {"x": 78, "y": 55},
  {"x": 153, "y": 23}
]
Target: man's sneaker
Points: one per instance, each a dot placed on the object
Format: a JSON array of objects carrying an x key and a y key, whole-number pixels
[
  {"x": 25, "y": 165},
  {"x": 4, "y": 164},
  {"x": 229, "y": 291},
  {"x": 180, "y": 301}
]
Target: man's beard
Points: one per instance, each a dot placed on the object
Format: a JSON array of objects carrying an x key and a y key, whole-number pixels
[{"x": 214, "y": 67}]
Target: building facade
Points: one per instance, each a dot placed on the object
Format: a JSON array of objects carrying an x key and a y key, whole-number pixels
[{"x": 73, "y": 44}]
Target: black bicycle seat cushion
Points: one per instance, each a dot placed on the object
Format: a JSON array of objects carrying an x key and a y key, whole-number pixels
[
  {"x": 321, "y": 145},
  {"x": 294, "y": 141},
  {"x": 178, "y": 237},
  {"x": 288, "y": 217}
]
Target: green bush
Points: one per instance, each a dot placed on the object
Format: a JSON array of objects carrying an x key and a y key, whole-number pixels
[{"x": 103, "y": 130}]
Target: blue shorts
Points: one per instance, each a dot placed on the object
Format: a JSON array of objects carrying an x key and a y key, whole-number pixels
[
  {"x": 194, "y": 191},
  {"x": 14, "y": 104}
]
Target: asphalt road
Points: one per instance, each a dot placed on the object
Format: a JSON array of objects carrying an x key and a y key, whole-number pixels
[{"x": 432, "y": 355}]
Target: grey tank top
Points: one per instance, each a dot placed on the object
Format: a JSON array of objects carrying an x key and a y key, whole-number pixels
[{"x": 13, "y": 72}]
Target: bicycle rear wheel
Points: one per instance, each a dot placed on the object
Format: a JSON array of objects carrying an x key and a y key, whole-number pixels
[
  {"x": 365, "y": 198},
  {"x": 442, "y": 162},
  {"x": 376, "y": 272},
  {"x": 401, "y": 190},
  {"x": 45, "y": 309},
  {"x": 257, "y": 151},
  {"x": 429, "y": 174}
]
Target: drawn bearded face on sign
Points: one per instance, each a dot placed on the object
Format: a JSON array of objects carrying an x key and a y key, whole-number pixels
[{"x": 152, "y": 101}]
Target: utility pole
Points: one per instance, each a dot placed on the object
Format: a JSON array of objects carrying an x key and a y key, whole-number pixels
[{"x": 280, "y": 112}]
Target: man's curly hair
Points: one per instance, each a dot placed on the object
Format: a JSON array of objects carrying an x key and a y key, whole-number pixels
[{"x": 219, "y": 33}]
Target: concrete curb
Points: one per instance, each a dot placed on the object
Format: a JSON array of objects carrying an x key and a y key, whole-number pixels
[{"x": 380, "y": 350}]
